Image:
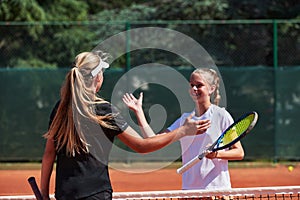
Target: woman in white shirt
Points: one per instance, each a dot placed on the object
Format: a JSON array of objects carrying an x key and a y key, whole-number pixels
[{"x": 212, "y": 171}]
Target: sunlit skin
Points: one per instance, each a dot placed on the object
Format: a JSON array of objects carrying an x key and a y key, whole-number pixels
[
  {"x": 200, "y": 92},
  {"x": 98, "y": 82}
]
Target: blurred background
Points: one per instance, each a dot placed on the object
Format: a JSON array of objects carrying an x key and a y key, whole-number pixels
[{"x": 255, "y": 45}]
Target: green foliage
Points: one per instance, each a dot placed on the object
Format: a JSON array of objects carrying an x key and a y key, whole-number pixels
[
  {"x": 66, "y": 10},
  {"x": 52, "y": 32},
  {"x": 51, "y": 45},
  {"x": 25, "y": 10},
  {"x": 267, "y": 9},
  {"x": 132, "y": 13},
  {"x": 190, "y": 10},
  {"x": 70, "y": 41},
  {"x": 30, "y": 63},
  {"x": 96, "y": 6}
]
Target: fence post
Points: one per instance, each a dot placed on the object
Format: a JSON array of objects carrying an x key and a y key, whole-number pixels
[
  {"x": 127, "y": 28},
  {"x": 275, "y": 68}
]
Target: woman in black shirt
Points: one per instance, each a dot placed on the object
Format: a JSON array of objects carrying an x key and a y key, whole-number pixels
[{"x": 82, "y": 130}]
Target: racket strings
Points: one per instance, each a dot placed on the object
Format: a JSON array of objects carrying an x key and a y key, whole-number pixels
[{"x": 238, "y": 129}]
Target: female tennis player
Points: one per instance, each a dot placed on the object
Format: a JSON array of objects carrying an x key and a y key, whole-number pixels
[
  {"x": 82, "y": 129},
  {"x": 212, "y": 172}
]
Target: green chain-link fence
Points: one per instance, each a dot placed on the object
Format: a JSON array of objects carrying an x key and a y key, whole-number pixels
[{"x": 259, "y": 62}]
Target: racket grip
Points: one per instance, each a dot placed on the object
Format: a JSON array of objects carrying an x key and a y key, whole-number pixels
[
  {"x": 189, "y": 164},
  {"x": 35, "y": 188}
]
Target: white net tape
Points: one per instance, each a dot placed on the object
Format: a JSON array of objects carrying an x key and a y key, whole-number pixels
[
  {"x": 257, "y": 192},
  {"x": 281, "y": 192}
]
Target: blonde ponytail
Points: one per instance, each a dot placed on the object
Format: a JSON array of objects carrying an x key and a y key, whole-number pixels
[{"x": 77, "y": 102}]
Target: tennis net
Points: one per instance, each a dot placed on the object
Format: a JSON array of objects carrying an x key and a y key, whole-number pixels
[
  {"x": 263, "y": 193},
  {"x": 283, "y": 192}
]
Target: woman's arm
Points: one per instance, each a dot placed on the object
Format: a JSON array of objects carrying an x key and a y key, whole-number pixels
[
  {"x": 47, "y": 167},
  {"x": 236, "y": 152},
  {"x": 132, "y": 139},
  {"x": 136, "y": 106}
]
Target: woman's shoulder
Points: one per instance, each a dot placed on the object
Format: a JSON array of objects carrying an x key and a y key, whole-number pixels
[
  {"x": 220, "y": 111},
  {"x": 105, "y": 107},
  {"x": 186, "y": 114}
]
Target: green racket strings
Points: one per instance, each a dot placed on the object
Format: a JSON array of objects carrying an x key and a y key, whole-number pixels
[{"x": 236, "y": 130}]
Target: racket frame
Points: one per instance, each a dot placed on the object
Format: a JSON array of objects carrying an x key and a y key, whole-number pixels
[
  {"x": 35, "y": 188},
  {"x": 211, "y": 148},
  {"x": 250, "y": 127}
]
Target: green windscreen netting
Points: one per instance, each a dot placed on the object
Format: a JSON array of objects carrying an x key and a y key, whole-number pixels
[{"x": 27, "y": 98}]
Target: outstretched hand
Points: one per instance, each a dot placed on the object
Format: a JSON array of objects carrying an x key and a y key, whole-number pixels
[
  {"x": 133, "y": 103},
  {"x": 195, "y": 127}
]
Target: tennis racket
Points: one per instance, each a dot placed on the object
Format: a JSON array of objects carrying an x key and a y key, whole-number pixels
[
  {"x": 235, "y": 132},
  {"x": 35, "y": 188}
]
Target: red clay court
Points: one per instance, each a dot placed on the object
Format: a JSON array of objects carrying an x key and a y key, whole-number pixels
[{"x": 14, "y": 182}]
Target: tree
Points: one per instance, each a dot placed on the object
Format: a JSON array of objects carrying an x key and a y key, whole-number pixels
[
  {"x": 39, "y": 33},
  {"x": 37, "y": 43}
]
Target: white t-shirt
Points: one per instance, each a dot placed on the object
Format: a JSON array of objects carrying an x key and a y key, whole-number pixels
[{"x": 208, "y": 173}]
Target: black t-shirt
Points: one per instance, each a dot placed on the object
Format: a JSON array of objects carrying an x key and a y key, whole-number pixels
[{"x": 87, "y": 173}]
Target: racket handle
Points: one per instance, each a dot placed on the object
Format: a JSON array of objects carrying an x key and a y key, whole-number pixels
[
  {"x": 191, "y": 163},
  {"x": 35, "y": 188}
]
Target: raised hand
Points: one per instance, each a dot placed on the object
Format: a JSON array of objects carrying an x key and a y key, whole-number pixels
[{"x": 133, "y": 103}]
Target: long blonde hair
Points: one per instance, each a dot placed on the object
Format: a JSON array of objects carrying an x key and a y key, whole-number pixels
[
  {"x": 77, "y": 100},
  {"x": 212, "y": 78}
]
